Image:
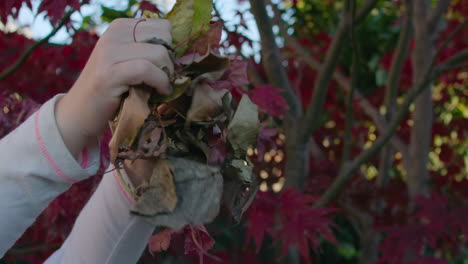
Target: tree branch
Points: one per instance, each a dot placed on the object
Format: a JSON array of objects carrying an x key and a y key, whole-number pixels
[
  {"x": 437, "y": 12},
  {"x": 272, "y": 62},
  {"x": 13, "y": 68},
  {"x": 325, "y": 73},
  {"x": 364, "y": 10},
  {"x": 396, "y": 68},
  {"x": 347, "y": 142},
  {"x": 349, "y": 169},
  {"x": 341, "y": 79},
  {"x": 450, "y": 37}
]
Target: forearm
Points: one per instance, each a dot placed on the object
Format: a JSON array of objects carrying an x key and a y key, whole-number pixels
[
  {"x": 105, "y": 231},
  {"x": 36, "y": 167}
]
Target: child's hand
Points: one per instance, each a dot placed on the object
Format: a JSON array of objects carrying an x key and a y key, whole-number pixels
[{"x": 116, "y": 63}]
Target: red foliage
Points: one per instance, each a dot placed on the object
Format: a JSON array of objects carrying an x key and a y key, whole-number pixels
[
  {"x": 55, "y": 10},
  {"x": 12, "y": 7},
  {"x": 160, "y": 241},
  {"x": 299, "y": 224},
  {"x": 148, "y": 6},
  {"x": 438, "y": 224},
  {"x": 269, "y": 100},
  {"x": 233, "y": 79},
  {"x": 261, "y": 217}
]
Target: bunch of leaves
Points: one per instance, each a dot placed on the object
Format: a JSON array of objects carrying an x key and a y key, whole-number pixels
[{"x": 196, "y": 139}]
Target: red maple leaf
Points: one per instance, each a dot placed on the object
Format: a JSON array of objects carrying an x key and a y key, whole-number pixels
[
  {"x": 160, "y": 241},
  {"x": 233, "y": 79},
  {"x": 12, "y": 7},
  {"x": 55, "y": 10},
  {"x": 148, "y": 6},
  {"x": 260, "y": 217},
  {"x": 269, "y": 100},
  {"x": 198, "y": 241},
  {"x": 302, "y": 224},
  {"x": 266, "y": 141}
]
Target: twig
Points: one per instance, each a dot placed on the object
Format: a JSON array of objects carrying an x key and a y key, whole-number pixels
[
  {"x": 272, "y": 61},
  {"x": 325, "y": 74},
  {"x": 341, "y": 79},
  {"x": 347, "y": 171},
  {"x": 350, "y": 102},
  {"x": 364, "y": 10},
  {"x": 396, "y": 68},
  {"x": 450, "y": 38},
  {"x": 12, "y": 69},
  {"x": 437, "y": 12}
]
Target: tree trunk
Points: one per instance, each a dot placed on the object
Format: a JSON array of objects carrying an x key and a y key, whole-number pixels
[
  {"x": 297, "y": 156},
  {"x": 423, "y": 53}
]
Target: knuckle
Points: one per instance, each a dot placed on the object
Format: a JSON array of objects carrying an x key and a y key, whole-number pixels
[{"x": 141, "y": 68}]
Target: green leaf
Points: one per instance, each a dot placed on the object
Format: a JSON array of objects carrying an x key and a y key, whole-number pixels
[
  {"x": 189, "y": 19},
  {"x": 181, "y": 17},
  {"x": 202, "y": 16},
  {"x": 244, "y": 169},
  {"x": 244, "y": 127}
]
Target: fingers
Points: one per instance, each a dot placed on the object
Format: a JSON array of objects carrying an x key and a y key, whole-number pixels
[
  {"x": 141, "y": 71},
  {"x": 122, "y": 29},
  {"x": 156, "y": 54}
]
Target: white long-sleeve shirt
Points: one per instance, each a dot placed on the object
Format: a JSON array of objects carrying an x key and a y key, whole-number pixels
[{"x": 36, "y": 167}]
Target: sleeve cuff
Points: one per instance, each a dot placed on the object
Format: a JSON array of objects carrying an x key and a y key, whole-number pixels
[
  {"x": 124, "y": 185},
  {"x": 56, "y": 152}
]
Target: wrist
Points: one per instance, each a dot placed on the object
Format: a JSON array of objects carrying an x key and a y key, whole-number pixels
[{"x": 69, "y": 127}]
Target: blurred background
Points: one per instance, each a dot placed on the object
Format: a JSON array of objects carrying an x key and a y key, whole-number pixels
[{"x": 362, "y": 155}]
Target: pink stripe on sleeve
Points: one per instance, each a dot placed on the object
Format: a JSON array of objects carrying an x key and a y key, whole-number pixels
[
  {"x": 46, "y": 153},
  {"x": 85, "y": 159},
  {"x": 122, "y": 190}
]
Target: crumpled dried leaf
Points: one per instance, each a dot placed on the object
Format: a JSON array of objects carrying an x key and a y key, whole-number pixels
[
  {"x": 238, "y": 195},
  {"x": 196, "y": 64},
  {"x": 244, "y": 127},
  {"x": 150, "y": 141},
  {"x": 210, "y": 40},
  {"x": 128, "y": 122},
  {"x": 206, "y": 103},
  {"x": 199, "y": 190},
  {"x": 244, "y": 169},
  {"x": 159, "y": 195}
]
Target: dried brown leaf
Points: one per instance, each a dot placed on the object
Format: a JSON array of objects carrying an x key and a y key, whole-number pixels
[
  {"x": 206, "y": 103},
  {"x": 158, "y": 196},
  {"x": 130, "y": 119}
]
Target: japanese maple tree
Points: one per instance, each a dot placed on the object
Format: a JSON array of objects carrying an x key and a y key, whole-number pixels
[{"x": 362, "y": 151}]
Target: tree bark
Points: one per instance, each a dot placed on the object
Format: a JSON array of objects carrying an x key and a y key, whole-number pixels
[
  {"x": 386, "y": 156},
  {"x": 422, "y": 116}
]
